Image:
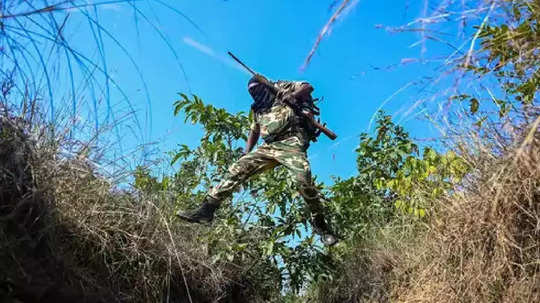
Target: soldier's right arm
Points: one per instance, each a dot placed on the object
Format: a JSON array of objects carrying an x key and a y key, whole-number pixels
[{"x": 254, "y": 134}]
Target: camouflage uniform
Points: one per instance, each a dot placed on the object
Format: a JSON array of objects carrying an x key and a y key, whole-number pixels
[{"x": 286, "y": 142}]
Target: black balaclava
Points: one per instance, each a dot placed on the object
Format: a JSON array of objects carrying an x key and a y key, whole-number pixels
[{"x": 262, "y": 96}]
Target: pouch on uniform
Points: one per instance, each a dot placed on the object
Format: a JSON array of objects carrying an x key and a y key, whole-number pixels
[{"x": 276, "y": 121}]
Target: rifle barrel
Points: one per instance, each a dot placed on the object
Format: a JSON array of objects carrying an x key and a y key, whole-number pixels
[
  {"x": 242, "y": 63},
  {"x": 330, "y": 134}
]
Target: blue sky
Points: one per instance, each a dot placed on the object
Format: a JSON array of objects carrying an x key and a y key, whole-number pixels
[{"x": 353, "y": 68}]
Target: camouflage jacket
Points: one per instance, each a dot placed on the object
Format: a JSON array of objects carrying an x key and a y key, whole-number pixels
[{"x": 280, "y": 121}]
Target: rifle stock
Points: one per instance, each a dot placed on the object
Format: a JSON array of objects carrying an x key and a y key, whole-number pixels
[{"x": 330, "y": 134}]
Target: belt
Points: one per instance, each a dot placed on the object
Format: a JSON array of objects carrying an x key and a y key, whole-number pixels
[
  {"x": 282, "y": 136},
  {"x": 287, "y": 135}
]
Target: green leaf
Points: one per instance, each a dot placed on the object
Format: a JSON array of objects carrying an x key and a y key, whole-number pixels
[
  {"x": 474, "y": 105},
  {"x": 480, "y": 121}
]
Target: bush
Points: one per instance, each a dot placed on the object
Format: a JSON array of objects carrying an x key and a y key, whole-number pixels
[{"x": 480, "y": 243}]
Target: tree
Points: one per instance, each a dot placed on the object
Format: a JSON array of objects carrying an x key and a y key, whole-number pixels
[
  {"x": 266, "y": 222},
  {"x": 392, "y": 179}
]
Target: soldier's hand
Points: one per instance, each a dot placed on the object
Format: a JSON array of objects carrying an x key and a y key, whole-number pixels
[
  {"x": 309, "y": 114},
  {"x": 260, "y": 78},
  {"x": 289, "y": 98},
  {"x": 304, "y": 91}
]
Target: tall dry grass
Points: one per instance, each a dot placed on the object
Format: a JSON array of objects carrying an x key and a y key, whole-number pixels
[
  {"x": 68, "y": 235},
  {"x": 481, "y": 242}
]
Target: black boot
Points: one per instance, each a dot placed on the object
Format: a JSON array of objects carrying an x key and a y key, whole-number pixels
[
  {"x": 205, "y": 213},
  {"x": 321, "y": 228}
]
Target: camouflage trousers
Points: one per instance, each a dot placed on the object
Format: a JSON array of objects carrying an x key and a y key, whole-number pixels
[{"x": 289, "y": 153}]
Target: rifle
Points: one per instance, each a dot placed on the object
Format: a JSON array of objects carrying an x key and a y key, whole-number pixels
[{"x": 321, "y": 127}]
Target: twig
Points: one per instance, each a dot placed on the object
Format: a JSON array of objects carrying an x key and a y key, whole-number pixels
[
  {"x": 175, "y": 250},
  {"x": 477, "y": 34},
  {"x": 323, "y": 32}
]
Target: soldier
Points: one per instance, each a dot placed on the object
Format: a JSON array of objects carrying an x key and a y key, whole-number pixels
[{"x": 286, "y": 136}]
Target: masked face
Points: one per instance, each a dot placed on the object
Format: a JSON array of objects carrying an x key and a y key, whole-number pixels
[
  {"x": 262, "y": 97},
  {"x": 255, "y": 89}
]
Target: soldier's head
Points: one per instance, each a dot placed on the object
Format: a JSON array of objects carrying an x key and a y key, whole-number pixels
[
  {"x": 261, "y": 96},
  {"x": 255, "y": 87}
]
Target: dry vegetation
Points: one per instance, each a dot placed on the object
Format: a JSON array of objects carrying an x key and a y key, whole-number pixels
[
  {"x": 482, "y": 243},
  {"x": 67, "y": 235}
]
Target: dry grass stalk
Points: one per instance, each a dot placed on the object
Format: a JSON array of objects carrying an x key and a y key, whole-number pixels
[
  {"x": 326, "y": 30},
  {"x": 69, "y": 235},
  {"x": 483, "y": 244}
]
